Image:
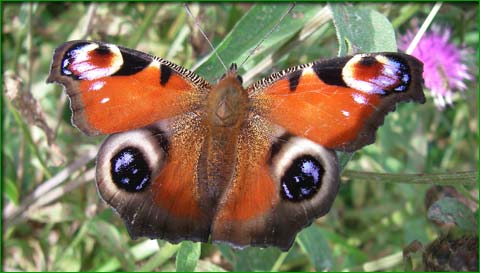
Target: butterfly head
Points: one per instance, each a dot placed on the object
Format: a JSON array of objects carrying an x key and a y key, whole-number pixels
[
  {"x": 228, "y": 100},
  {"x": 232, "y": 74}
]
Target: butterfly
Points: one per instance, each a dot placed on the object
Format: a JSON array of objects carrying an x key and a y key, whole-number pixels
[{"x": 191, "y": 160}]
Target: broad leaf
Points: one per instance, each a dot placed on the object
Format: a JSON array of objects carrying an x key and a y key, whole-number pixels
[
  {"x": 448, "y": 210},
  {"x": 249, "y": 32},
  {"x": 362, "y": 30},
  {"x": 250, "y": 258},
  {"x": 313, "y": 243},
  {"x": 187, "y": 256}
]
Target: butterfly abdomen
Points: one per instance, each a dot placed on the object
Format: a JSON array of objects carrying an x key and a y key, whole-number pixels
[{"x": 225, "y": 114}]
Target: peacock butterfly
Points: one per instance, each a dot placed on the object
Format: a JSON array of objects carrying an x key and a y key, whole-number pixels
[{"x": 190, "y": 160}]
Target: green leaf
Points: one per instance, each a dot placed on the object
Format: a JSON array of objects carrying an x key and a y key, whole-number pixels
[
  {"x": 69, "y": 260},
  {"x": 109, "y": 237},
  {"x": 187, "y": 256},
  {"x": 166, "y": 251},
  {"x": 352, "y": 254},
  {"x": 343, "y": 158},
  {"x": 251, "y": 258},
  {"x": 10, "y": 190},
  {"x": 139, "y": 251},
  {"x": 447, "y": 210},
  {"x": 313, "y": 243},
  {"x": 249, "y": 32},
  {"x": 207, "y": 266},
  {"x": 362, "y": 30}
]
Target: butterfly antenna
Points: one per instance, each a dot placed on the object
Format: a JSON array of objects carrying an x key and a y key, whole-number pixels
[
  {"x": 292, "y": 5},
  {"x": 204, "y": 35}
]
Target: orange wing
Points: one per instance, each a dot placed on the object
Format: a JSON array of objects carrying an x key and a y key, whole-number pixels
[
  {"x": 286, "y": 172},
  {"x": 339, "y": 103},
  {"x": 251, "y": 193},
  {"x": 114, "y": 89},
  {"x": 149, "y": 176},
  {"x": 147, "y": 168},
  {"x": 272, "y": 196}
]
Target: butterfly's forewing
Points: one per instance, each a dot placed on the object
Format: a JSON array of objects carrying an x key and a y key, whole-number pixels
[
  {"x": 114, "y": 89},
  {"x": 339, "y": 103}
]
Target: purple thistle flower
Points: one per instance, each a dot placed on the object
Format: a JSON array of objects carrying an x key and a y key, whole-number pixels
[{"x": 443, "y": 69}]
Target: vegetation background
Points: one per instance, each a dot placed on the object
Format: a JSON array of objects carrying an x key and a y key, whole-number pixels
[{"x": 53, "y": 219}]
